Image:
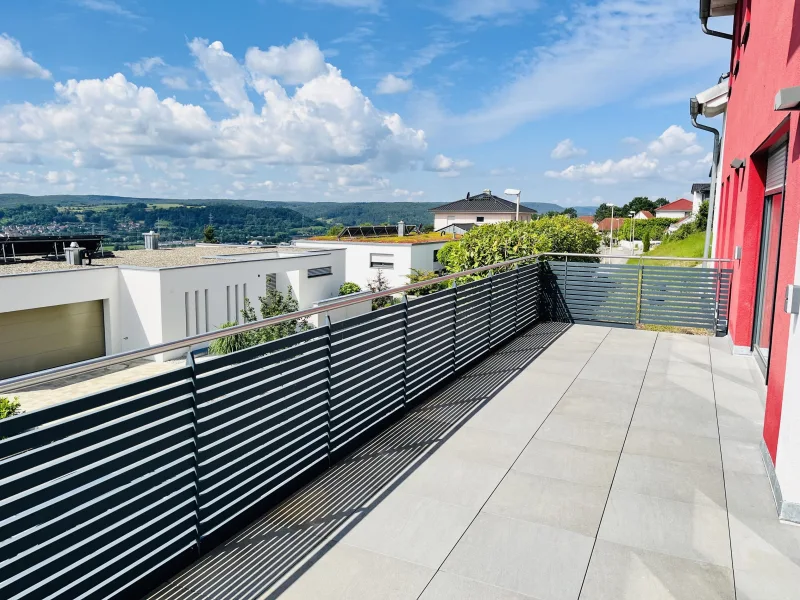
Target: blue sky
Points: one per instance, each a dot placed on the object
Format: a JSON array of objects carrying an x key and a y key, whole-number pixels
[{"x": 574, "y": 102}]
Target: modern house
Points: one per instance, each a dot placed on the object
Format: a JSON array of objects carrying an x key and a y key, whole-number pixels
[
  {"x": 479, "y": 209},
  {"x": 759, "y": 218},
  {"x": 680, "y": 209},
  {"x": 643, "y": 215},
  {"x": 395, "y": 259},
  {"x": 52, "y": 313}
]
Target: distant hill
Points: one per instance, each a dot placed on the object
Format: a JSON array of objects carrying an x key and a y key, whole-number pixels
[{"x": 346, "y": 213}]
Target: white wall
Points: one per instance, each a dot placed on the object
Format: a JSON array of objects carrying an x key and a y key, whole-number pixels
[
  {"x": 340, "y": 314},
  {"x": 441, "y": 219},
  {"x": 139, "y": 308},
  {"x": 405, "y": 257},
  {"x": 672, "y": 214}
]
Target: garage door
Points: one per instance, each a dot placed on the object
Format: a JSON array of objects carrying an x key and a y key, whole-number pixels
[{"x": 42, "y": 338}]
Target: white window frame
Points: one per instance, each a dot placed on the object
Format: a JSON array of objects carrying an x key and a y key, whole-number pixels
[{"x": 380, "y": 260}]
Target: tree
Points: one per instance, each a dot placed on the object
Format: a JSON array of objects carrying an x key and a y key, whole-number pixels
[
  {"x": 348, "y": 287},
  {"x": 335, "y": 230},
  {"x": 701, "y": 220},
  {"x": 210, "y": 235},
  {"x": 9, "y": 408},
  {"x": 571, "y": 213},
  {"x": 603, "y": 212},
  {"x": 646, "y": 241},
  {"x": 661, "y": 202},
  {"x": 380, "y": 284},
  {"x": 419, "y": 275}
]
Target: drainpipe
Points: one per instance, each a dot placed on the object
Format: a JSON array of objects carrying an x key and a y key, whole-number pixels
[
  {"x": 714, "y": 161},
  {"x": 705, "y": 13}
]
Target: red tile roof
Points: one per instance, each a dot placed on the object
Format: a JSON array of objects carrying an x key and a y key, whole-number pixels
[
  {"x": 647, "y": 214},
  {"x": 586, "y": 218},
  {"x": 682, "y": 204},
  {"x": 605, "y": 224}
]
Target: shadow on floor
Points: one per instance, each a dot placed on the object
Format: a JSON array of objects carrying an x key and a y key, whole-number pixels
[{"x": 264, "y": 559}]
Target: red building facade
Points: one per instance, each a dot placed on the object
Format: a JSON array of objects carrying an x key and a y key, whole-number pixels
[{"x": 758, "y": 220}]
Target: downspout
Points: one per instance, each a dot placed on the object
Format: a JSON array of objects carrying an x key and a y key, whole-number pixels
[
  {"x": 713, "y": 190},
  {"x": 705, "y": 13}
]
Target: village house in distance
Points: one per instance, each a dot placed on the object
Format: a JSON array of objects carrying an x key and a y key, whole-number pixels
[{"x": 462, "y": 215}]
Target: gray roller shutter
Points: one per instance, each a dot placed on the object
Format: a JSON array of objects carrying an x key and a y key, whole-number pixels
[{"x": 776, "y": 169}]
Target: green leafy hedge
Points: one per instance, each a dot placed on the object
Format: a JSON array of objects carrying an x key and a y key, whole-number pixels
[{"x": 655, "y": 227}]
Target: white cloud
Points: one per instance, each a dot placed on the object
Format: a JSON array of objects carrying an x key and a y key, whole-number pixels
[
  {"x": 566, "y": 149},
  {"x": 446, "y": 166},
  {"x": 107, "y": 6},
  {"x": 367, "y": 5},
  {"x": 176, "y": 83},
  {"x": 224, "y": 73},
  {"x": 145, "y": 65},
  {"x": 392, "y": 84},
  {"x": 599, "y": 38},
  {"x": 631, "y": 140},
  {"x": 295, "y": 64},
  {"x": 675, "y": 140},
  {"x": 639, "y": 166},
  {"x": 15, "y": 63},
  {"x": 468, "y": 10},
  {"x": 400, "y": 193}
]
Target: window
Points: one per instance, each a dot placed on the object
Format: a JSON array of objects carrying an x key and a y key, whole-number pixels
[
  {"x": 435, "y": 256},
  {"x": 319, "y": 272},
  {"x": 271, "y": 282},
  {"x": 451, "y": 219},
  {"x": 381, "y": 261},
  {"x": 479, "y": 219}
]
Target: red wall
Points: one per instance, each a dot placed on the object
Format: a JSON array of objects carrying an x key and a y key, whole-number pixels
[{"x": 768, "y": 62}]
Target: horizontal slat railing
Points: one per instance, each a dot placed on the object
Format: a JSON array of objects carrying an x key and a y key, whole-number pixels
[{"x": 111, "y": 494}]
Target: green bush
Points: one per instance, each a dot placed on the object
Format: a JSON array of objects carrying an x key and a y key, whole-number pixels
[
  {"x": 418, "y": 275},
  {"x": 335, "y": 230},
  {"x": 380, "y": 284},
  {"x": 646, "y": 241},
  {"x": 655, "y": 227},
  {"x": 9, "y": 408},
  {"x": 701, "y": 220},
  {"x": 498, "y": 242},
  {"x": 273, "y": 304},
  {"x": 348, "y": 287}
]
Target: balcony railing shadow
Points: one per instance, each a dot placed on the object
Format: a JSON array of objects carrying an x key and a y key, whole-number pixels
[{"x": 265, "y": 558}]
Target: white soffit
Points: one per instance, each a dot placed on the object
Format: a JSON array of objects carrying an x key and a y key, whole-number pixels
[
  {"x": 723, "y": 8},
  {"x": 714, "y": 100}
]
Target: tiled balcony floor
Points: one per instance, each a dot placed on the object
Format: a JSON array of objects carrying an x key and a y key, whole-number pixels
[{"x": 584, "y": 462}]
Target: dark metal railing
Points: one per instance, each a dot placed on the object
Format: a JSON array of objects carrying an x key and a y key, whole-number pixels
[{"x": 112, "y": 493}]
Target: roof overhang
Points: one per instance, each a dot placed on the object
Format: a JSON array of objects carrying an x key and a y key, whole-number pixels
[
  {"x": 717, "y": 8},
  {"x": 714, "y": 100}
]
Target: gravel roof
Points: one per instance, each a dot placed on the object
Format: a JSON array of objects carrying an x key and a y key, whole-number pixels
[{"x": 161, "y": 258}]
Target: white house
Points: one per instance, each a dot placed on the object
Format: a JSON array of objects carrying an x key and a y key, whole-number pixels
[
  {"x": 366, "y": 256},
  {"x": 52, "y": 313},
  {"x": 680, "y": 209},
  {"x": 480, "y": 209},
  {"x": 643, "y": 215}
]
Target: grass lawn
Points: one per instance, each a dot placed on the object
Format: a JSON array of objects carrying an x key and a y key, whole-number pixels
[{"x": 691, "y": 247}]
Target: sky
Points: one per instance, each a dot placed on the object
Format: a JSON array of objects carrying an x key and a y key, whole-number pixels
[{"x": 575, "y": 102}]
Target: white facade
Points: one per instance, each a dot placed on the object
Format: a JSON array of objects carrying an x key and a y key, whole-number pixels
[
  {"x": 364, "y": 259},
  {"x": 673, "y": 214},
  {"x": 146, "y": 305},
  {"x": 641, "y": 216},
  {"x": 444, "y": 219}
]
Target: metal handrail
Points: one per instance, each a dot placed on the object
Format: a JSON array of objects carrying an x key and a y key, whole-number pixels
[{"x": 23, "y": 381}]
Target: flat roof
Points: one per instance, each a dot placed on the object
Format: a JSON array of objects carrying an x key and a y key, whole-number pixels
[
  {"x": 163, "y": 258},
  {"x": 406, "y": 240}
]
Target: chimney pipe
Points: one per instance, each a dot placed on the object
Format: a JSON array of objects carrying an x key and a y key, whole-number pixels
[
  {"x": 401, "y": 229},
  {"x": 151, "y": 240}
]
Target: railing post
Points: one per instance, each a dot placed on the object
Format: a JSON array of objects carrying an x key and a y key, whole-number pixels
[
  {"x": 455, "y": 321},
  {"x": 516, "y": 295},
  {"x": 638, "y": 316},
  {"x": 190, "y": 362},
  {"x": 329, "y": 326},
  {"x": 405, "y": 350},
  {"x": 491, "y": 305}
]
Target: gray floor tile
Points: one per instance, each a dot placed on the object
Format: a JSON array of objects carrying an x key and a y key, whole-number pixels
[
  {"x": 604, "y": 372},
  {"x": 750, "y": 495},
  {"x": 775, "y": 582},
  {"x": 484, "y": 445},
  {"x": 412, "y": 528},
  {"x": 606, "y": 411},
  {"x": 608, "y": 391},
  {"x": 670, "y": 479},
  {"x": 623, "y": 362},
  {"x": 698, "y": 386},
  {"x": 619, "y": 572},
  {"x": 692, "y": 531},
  {"x": 553, "y": 502},
  {"x": 700, "y": 406},
  {"x": 546, "y": 364},
  {"x": 680, "y": 368},
  {"x": 674, "y": 419},
  {"x": 739, "y": 428},
  {"x": 349, "y": 573},
  {"x": 514, "y": 417},
  {"x": 675, "y": 446},
  {"x": 581, "y": 432},
  {"x": 760, "y": 545},
  {"x": 447, "y": 586},
  {"x": 529, "y": 558},
  {"x": 454, "y": 481},
  {"x": 587, "y": 466},
  {"x": 742, "y": 457}
]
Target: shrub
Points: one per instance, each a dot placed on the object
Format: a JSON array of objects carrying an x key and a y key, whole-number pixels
[
  {"x": 9, "y": 408},
  {"x": 335, "y": 230},
  {"x": 231, "y": 343},
  {"x": 498, "y": 242},
  {"x": 683, "y": 231},
  {"x": 380, "y": 284},
  {"x": 348, "y": 287},
  {"x": 701, "y": 220},
  {"x": 646, "y": 241},
  {"x": 655, "y": 227},
  {"x": 418, "y": 276}
]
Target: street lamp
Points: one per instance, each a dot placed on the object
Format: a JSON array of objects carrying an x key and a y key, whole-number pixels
[
  {"x": 633, "y": 230},
  {"x": 517, "y": 193},
  {"x": 611, "y": 232}
]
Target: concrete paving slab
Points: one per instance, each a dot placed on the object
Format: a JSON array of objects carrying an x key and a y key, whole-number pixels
[
  {"x": 447, "y": 586},
  {"x": 577, "y": 464}
]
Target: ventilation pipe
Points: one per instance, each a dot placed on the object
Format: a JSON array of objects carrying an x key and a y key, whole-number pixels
[
  {"x": 705, "y": 13},
  {"x": 694, "y": 111},
  {"x": 401, "y": 229},
  {"x": 151, "y": 241}
]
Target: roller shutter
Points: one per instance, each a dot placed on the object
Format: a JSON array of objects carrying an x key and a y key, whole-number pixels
[{"x": 776, "y": 169}]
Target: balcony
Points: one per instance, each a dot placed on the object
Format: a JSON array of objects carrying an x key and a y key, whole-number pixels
[{"x": 479, "y": 442}]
